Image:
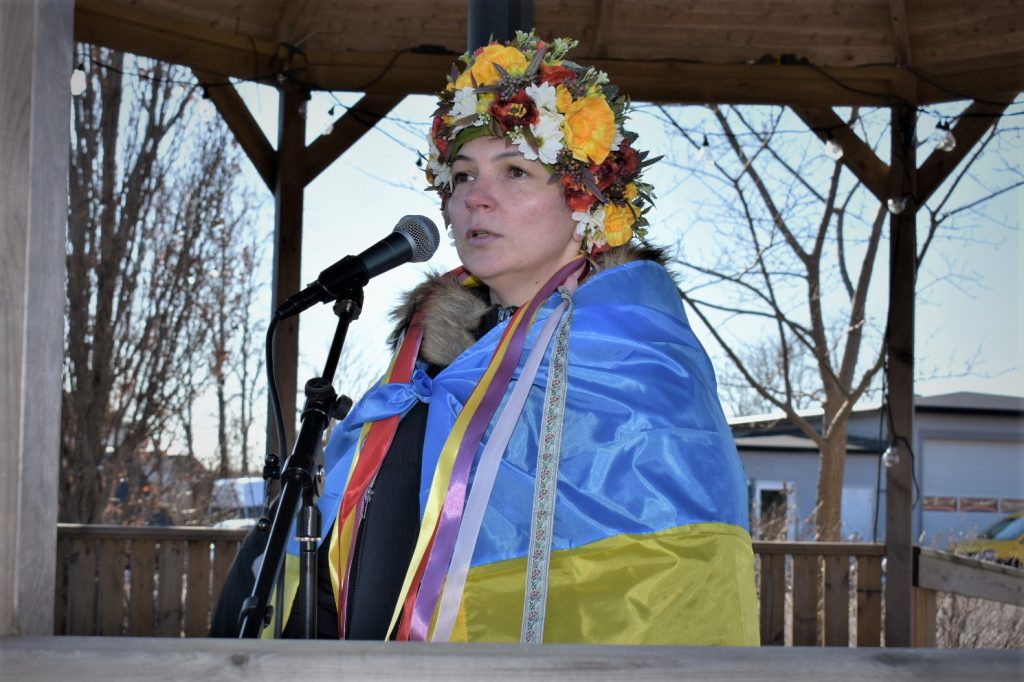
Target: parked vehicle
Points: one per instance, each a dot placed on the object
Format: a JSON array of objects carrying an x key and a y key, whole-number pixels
[
  {"x": 1003, "y": 542},
  {"x": 236, "y": 503}
]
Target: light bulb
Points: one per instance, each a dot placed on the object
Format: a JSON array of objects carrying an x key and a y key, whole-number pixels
[
  {"x": 78, "y": 80},
  {"x": 328, "y": 129},
  {"x": 891, "y": 456},
  {"x": 897, "y": 204},
  {"x": 833, "y": 149},
  {"x": 944, "y": 140},
  {"x": 704, "y": 158}
]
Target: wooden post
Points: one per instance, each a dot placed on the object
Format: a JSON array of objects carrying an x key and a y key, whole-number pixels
[
  {"x": 35, "y": 66},
  {"x": 288, "y": 204},
  {"x": 900, "y": 379}
]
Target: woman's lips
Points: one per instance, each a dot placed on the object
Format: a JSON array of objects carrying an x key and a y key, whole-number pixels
[{"x": 477, "y": 237}]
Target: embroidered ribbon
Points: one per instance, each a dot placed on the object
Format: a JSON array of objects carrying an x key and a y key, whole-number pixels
[
  {"x": 538, "y": 558},
  {"x": 486, "y": 471},
  {"x": 445, "y": 503}
]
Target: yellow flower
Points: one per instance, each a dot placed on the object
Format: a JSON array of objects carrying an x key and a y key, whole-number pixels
[
  {"x": 509, "y": 58},
  {"x": 618, "y": 223},
  {"x": 589, "y": 128},
  {"x": 631, "y": 191},
  {"x": 563, "y": 98}
]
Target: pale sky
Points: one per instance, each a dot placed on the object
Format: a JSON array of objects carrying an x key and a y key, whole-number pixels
[{"x": 358, "y": 200}]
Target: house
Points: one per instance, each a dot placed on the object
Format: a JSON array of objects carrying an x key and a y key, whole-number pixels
[{"x": 968, "y": 451}]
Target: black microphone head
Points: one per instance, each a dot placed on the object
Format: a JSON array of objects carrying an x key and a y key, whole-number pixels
[{"x": 422, "y": 234}]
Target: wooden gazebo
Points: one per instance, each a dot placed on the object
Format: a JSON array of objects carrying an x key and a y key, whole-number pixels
[{"x": 808, "y": 54}]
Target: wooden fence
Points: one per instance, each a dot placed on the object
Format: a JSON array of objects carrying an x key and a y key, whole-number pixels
[{"x": 115, "y": 580}]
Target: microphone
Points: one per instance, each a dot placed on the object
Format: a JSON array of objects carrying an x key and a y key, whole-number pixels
[{"x": 414, "y": 239}]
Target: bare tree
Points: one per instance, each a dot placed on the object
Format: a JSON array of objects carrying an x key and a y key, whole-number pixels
[
  {"x": 147, "y": 181},
  {"x": 786, "y": 288}
]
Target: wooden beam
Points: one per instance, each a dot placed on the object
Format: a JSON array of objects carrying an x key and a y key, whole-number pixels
[
  {"x": 35, "y": 65},
  {"x": 288, "y": 206},
  {"x": 241, "y": 122},
  {"x": 971, "y": 126},
  {"x": 899, "y": 342},
  {"x": 297, "y": 21},
  {"x": 357, "y": 121},
  {"x": 944, "y": 572},
  {"x": 89, "y": 659},
  {"x": 239, "y": 56},
  {"x": 857, "y": 155},
  {"x": 900, "y": 32},
  {"x": 604, "y": 11}
]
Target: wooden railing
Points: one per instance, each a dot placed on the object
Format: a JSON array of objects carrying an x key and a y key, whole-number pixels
[{"x": 140, "y": 581}]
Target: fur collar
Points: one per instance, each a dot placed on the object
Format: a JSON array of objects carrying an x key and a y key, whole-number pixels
[{"x": 453, "y": 312}]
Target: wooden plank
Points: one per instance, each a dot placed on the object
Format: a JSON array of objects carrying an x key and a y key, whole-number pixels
[
  {"x": 288, "y": 202},
  {"x": 900, "y": 377},
  {"x": 82, "y": 588},
  {"x": 847, "y": 549},
  {"x": 837, "y": 601},
  {"x": 806, "y": 585},
  {"x": 142, "y": 604},
  {"x": 110, "y": 593},
  {"x": 869, "y": 602},
  {"x": 97, "y": 531},
  {"x": 35, "y": 63},
  {"x": 945, "y": 572},
  {"x": 60, "y": 601},
  {"x": 120, "y": 659},
  {"x": 197, "y": 592},
  {"x": 900, "y": 32},
  {"x": 924, "y": 617},
  {"x": 223, "y": 554},
  {"x": 171, "y": 567},
  {"x": 773, "y": 599}
]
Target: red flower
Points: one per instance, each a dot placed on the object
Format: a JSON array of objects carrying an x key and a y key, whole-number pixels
[
  {"x": 516, "y": 112},
  {"x": 555, "y": 74},
  {"x": 439, "y": 135},
  {"x": 578, "y": 198}
]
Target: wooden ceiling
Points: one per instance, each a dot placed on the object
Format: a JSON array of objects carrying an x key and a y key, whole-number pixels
[{"x": 800, "y": 52}]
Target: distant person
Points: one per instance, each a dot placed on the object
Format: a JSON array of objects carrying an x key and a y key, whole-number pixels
[{"x": 546, "y": 459}]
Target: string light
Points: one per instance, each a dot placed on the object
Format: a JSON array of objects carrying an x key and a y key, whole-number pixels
[
  {"x": 944, "y": 140},
  {"x": 898, "y": 204},
  {"x": 329, "y": 128},
  {"x": 78, "y": 80},
  {"x": 704, "y": 158},
  {"x": 833, "y": 149},
  {"x": 891, "y": 456}
]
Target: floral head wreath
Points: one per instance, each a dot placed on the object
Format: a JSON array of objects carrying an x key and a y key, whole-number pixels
[{"x": 566, "y": 116}]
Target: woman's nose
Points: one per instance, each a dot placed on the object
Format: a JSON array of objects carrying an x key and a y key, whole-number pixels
[{"x": 480, "y": 193}]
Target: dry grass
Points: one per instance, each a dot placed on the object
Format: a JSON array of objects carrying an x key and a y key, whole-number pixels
[{"x": 970, "y": 623}]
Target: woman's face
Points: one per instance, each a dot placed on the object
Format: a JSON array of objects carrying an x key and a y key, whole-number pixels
[{"x": 511, "y": 224}]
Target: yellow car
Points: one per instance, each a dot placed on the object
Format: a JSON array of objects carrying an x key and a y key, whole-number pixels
[{"x": 1003, "y": 542}]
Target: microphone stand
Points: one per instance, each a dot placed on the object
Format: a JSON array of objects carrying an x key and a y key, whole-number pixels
[{"x": 301, "y": 481}]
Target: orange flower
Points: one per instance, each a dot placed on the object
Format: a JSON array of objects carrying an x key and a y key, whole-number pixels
[
  {"x": 618, "y": 223},
  {"x": 589, "y": 128},
  {"x": 509, "y": 58}
]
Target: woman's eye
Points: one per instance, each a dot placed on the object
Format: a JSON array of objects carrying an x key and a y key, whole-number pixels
[
  {"x": 459, "y": 177},
  {"x": 517, "y": 172}
]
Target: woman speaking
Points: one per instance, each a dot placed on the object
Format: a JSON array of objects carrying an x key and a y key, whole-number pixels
[{"x": 546, "y": 458}]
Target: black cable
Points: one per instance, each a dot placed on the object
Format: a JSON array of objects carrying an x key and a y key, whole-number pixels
[{"x": 275, "y": 401}]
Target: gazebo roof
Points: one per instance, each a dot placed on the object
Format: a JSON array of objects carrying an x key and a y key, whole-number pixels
[{"x": 797, "y": 52}]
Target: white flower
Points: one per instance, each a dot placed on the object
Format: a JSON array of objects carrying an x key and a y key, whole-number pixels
[
  {"x": 442, "y": 172},
  {"x": 590, "y": 226},
  {"x": 464, "y": 107},
  {"x": 544, "y": 96},
  {"x": 548, "y": 133}
]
